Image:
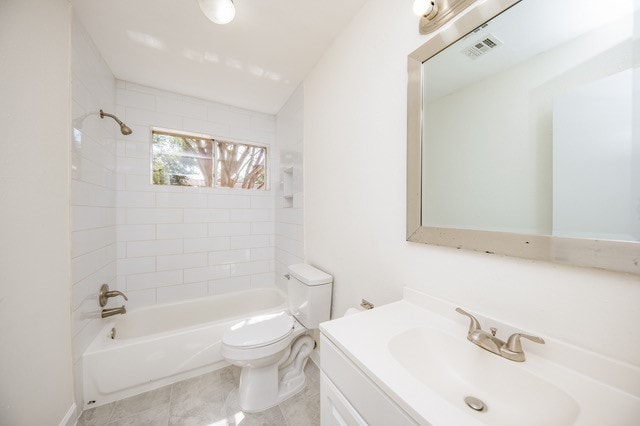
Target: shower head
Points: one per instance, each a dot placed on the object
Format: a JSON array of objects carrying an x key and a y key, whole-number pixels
[{"x": 124, "y": 129}]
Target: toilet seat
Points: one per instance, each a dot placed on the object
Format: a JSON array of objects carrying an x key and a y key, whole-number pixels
[{"x": 259, "y": 331}]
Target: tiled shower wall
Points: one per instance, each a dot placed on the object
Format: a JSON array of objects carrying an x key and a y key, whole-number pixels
[
  {"x": 174, "y": 242},
  {"x": 289, "y": 232},
  {"x": 93, "y": 198}
]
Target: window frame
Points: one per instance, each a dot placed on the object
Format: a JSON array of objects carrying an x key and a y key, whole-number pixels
[{"x": 214, "y": 156}]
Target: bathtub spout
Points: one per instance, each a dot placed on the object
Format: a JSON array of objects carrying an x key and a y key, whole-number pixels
[{"x": 113, "y": 311}]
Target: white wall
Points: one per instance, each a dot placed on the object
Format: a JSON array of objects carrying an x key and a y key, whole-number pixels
[
  {"x": 93, "y": 197},
  {"x": 289, "y": 214},
  {"x": 594, "y": 194},
  {"x": 355, "y": 165},
  {"x": 36, "y": 379},
  {"x": 176, "y": 243}
]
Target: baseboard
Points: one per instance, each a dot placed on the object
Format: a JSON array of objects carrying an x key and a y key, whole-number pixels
[{"x": 71, "y": 418}]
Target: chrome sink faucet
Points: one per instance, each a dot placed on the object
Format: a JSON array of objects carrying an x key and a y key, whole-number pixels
[{"x": 511, "y": 349}]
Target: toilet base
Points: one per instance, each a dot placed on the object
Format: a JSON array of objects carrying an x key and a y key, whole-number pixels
[{"x": 264, "y": 387}]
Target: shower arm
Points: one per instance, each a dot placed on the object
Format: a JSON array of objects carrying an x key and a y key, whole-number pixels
[{"x": 106, "y": 114}]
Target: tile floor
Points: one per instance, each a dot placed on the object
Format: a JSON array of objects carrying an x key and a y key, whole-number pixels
[{"x": 211, "y": 400}]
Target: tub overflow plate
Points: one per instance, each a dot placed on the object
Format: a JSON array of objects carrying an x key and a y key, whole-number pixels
[{"x": 475, "y": 404}]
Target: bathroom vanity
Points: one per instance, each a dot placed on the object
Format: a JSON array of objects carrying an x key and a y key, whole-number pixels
[{"x": 410, "y": 362}]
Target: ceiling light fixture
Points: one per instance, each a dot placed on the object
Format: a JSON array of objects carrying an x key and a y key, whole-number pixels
[{"x": 218, "y": 11}]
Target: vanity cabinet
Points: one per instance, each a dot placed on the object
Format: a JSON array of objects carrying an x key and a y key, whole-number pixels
[{"x": 349, "y": 397}]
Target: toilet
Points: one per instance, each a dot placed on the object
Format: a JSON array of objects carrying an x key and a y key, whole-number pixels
[{"x": 273, "y": 349}]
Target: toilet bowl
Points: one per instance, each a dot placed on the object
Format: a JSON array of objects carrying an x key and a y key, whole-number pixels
[{"x": 273, "y": 349}]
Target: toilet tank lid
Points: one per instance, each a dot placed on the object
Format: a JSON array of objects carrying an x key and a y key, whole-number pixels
[{"x": 309, "y": 275}]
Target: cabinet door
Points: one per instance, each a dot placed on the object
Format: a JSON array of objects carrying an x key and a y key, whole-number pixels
[{"x": 335, "y": 409}]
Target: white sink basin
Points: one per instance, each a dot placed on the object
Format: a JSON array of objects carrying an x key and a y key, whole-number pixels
[{"x": 456, "y": 368}]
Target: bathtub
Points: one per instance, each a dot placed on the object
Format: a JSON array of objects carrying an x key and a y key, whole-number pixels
[{"x": 163, "y": 344}]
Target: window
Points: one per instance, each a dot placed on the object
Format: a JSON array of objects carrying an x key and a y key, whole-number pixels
[{"x": 197, "y": 160}]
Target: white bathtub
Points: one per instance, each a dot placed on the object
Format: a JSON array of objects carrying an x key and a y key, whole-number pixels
[{"x": 163, "y": 344}]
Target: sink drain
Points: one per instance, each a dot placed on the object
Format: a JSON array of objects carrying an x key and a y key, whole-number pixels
[{"x": 475, "y": 404}]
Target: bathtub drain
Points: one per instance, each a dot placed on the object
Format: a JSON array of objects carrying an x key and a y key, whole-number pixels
[
  {"x": 112, "y": 334},
  {"x": 475, "y": 404}
]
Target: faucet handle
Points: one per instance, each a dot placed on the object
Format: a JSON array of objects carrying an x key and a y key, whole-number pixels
[
  {"x": 514, "y": 344},
  {"x": 105, "y": 294},
  {"x": 474, "y": 325}
]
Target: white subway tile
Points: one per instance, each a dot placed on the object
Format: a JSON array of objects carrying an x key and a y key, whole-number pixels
[
  {"x": 182, "y": 261},
  {"x": 133, "y": 166},
  {"x": 229, "y": 202},
  {"x": 195, "y": 245},
  {"x": 86, "y": 264},
  {"x": 287, "y": 258},
  {"x": 151, "y": 91},
  {"x": 169, "y": 105},
  {"x": 136, "y": 199},
  {"x": 143, "y": 117},
  {"x": 250, "y": 241},
  {"x": 136, "y": 265},
  {"x": 87, "y": 194},
  {"x": 262, "y": 228},
  {"x": 229, "y": 256},
  {"x": 250, "y": 268},
  {"x": 263, "y": 280},
  {"x": 133, "y": 99},
  {"x": 181, "y": 230},
  {"x": 92, "y": 217},
  {"x": 121, "y": 216},
  {"x": 229, "y": 284},
  {"x": 293, "y": 247},
  {"x": 154, "y": 280},
  {"x": 228, "y": 229},
  {"x": 229, "y": 117},
  {"x": 121, "y": 249},
  {"x": 141, "y": 298},
  {"x": 266, "y": 253},
  {"x": 181, "y": 200},
  {"x": 215, "y": 130},
  {"x": 295, "y": 232},
  {"x": 206, "y": 215},
  {"x": 88, "y": 240},
  {"x": 139, "y": 183},
  {"x": 206, "y": 273},
  {"x": 251, "y": 215},
  {"x": 154, "y": 248},
  {"x": 262, "y": 202},
  {"x": 137, "y": 149},
  {"x": 192, "y": 109},
  {"x": 182, "y": 292},
  {"x": 293, "y": 216},
  {"x": 136, "y": 216},
  {"x": 136, "y": 232}
]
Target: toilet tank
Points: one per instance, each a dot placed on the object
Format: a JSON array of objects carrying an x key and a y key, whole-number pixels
[{"x": 309, "y": 294}]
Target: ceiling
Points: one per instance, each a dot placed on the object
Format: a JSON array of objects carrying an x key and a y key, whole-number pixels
[{"x": 255, "y": 62}]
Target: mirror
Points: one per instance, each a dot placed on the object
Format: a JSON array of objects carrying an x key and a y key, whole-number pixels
[{"x": 522, "y": 138}]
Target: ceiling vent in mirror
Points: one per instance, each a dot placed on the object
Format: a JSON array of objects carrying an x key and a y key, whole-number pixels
[{"x": 482, "y": 46}]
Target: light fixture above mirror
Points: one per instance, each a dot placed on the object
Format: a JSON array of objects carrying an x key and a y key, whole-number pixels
[
  {"x": 218, "y": 11},
  {"x": 435, "y": 13}
]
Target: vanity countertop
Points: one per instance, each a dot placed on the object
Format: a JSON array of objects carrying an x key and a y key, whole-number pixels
[{"x": 600, "y": 390}]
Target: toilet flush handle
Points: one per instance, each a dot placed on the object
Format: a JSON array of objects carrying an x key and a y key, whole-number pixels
[{"x": 287, "y": 276}]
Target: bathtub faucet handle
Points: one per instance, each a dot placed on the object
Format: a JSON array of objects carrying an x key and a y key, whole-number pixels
[{"x": 105, "y": 294}]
